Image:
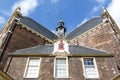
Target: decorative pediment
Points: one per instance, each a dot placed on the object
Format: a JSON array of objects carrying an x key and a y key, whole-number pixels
[{"x": 61, "y": 47}]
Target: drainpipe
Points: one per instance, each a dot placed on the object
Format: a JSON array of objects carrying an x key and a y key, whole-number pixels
[{"x": 9, "y": 64}]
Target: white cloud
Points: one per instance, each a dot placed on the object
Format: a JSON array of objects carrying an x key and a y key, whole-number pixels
[
  {"x": 99, "y": 6},
  {"x": 100, "y": 1},
  {"x": 2, "y": 20},
  {"x": 114, "y": 10},
  {"x": 27, "y": 6},
  {"x": 54, "y": 1},
  {"x": 96, "y": 8}
]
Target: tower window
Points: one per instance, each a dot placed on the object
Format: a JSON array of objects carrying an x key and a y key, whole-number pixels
[
  {"x": 32, "y": 69},
  {"x": 90, "y": 69}
]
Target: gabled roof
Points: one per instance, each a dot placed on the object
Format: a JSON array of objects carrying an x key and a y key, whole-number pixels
[
  {"x": 37, "y": 27},
  {"x": 47, "y": 50},
  {"x": 84, "y": 27},
  {"x": 48, "y": 34}
]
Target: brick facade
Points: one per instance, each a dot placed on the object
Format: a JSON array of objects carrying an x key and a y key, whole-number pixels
[
  {"x": 26, "y": 39},
  {"x": 102, "y": 37},
  {"x": 105, "y": 65}
]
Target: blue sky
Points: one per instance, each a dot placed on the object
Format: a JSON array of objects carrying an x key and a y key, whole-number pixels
[{"x": 48, "y": 12}]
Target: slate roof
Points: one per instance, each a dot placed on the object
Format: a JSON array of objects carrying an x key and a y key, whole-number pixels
[
  {"x": 41, "y": 49},
  {"x": 75, "y": 49},
  {"x": 37, "y": 27},
  {"x": 84, "y": 27},
  {"x": 48, "y": 49},
  {"x": 45, "y": 32}
]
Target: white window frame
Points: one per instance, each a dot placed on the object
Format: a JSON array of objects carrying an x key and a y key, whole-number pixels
[
  {"x": 95, "y": 65},
  {"x": 27, "y": 64},
  {"x": 66, "y": 66}
]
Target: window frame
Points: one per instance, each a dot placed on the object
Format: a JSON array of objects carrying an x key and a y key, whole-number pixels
[
  {"x": 27, "y": 65},
  {"x": 55, "y": 59},
  {"x": 95, "y": 66}
]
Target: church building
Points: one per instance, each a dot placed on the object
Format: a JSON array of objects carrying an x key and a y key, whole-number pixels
[{"x": 29, "y": 51}]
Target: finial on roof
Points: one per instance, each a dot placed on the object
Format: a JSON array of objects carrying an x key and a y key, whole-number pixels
[
  {"x": 60, "y": 17},
  {"x": 18, "y": 9},
  {"x": 103, "y": 9},
  {"x": 61, "y": 20}
]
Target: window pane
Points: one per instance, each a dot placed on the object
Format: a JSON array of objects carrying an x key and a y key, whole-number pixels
[
  {"x": 33, "y": 68},
  {"x": 34, "y": 61},
  {"x": 61, "y": 61},
  {"x": 88, "y": 61},
  {"x": 61, "y": 71},
  {"x": 90, "y": 71},
  {"x": 61, "y": 67},
  {"x": 32, "y": 72}
]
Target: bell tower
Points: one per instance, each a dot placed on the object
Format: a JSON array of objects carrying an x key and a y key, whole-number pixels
[{"x": 60, "y": 30}]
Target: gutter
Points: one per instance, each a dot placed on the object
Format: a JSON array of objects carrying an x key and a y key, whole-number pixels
[{"x": 53, "y": 55}]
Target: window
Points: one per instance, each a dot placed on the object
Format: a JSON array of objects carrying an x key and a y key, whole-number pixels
[
  {"x": 61, "y": 68},
  {"x": 32, "y": 70},
  {"x": 90, "y": 69}
]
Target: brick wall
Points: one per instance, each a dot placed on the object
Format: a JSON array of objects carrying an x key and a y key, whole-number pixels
[
  {"x": 105, "y": 68},
  {"x": 102, "y": 37},
  {"x": 21, "y": 39}
]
